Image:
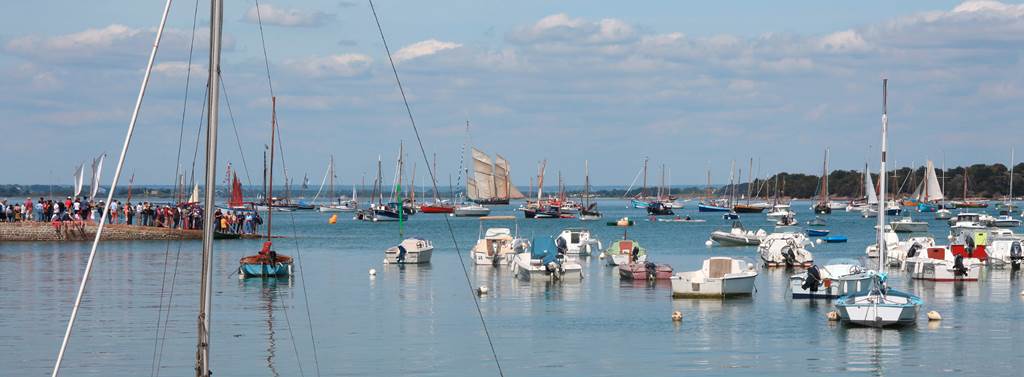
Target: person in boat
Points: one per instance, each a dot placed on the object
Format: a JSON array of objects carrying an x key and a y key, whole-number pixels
[
  {"x": 677, "y": 218},
  {"x": 267, "y": 255},
  {"x": 634, "y": 254},
  {"x": 688, "y": 218}
]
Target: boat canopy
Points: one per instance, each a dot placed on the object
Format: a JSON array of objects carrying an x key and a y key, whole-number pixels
[
  {"x": 544, "y": 248},
  {"x": 496, "y": 232}
]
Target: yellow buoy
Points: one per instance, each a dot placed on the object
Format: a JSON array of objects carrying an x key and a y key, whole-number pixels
[
  {"x": 333, "y": 219},
  {"x": 832, "y": 315},
  {"x": 934, "y": 316},
  {"x": 677, "y": 316}
]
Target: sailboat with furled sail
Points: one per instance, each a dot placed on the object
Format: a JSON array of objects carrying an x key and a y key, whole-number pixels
[{"x": 589, "y": 210}]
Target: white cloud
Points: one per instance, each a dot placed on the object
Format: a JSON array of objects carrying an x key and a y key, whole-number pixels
[
  {"x": 178, "y": 69},
  {"x": 342, "y": 65},
  {"x": 423, "y": 48},
  {"x": 560, "y": 28},
  {"x": 288, "y": 17},
  {"x": 86, "y": 40},
  {"x": 843, "y": 41}
]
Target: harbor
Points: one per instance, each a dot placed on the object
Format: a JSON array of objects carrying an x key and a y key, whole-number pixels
[
  {"x": 564, "y": 189},
  {"x": 360, "y": 320}
]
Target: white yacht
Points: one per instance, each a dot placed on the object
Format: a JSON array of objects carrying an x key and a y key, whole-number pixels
[
  {"x": 831, "y": 280},
  {"x": 909, "y": 225},
  {"x": 497, "y": 246},
  {"x": 718, "y": 277},
  {"x": 543, "y": 262},
  {"x": 939, "y": 264},
  {"x": 413, "y": 250},
  {"x": 578, "y": 242}
]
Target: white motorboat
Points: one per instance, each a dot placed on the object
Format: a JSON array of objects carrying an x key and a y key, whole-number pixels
[
  {"x": 909, "y": 225},
  {"x": 966, "y": 229},
  {"x": 787, "y": 220},
  {"x": 836, "y": 205},
  {"x": 738, "y": 236},
  {"x": 836, "y": 278},
  {"x": 578, "y": 242},
  {"x": 718, "y": 277},
  {"x": 342, "y": 206},
  {"x": 624, "y": 251},
  {"x": 1006, "y": 221},
  {"x": 497, "y": 246},
  {"x": 780, "y": 211},
  {"x": 785, "y": 249},
  {"x": 880, "y": 306},
  {"x": 1006, "y": 252},
  {"x": 943, "y": 214},
  {"x": 972, "y": 217},
  {"x": 939, "y": 264},
  {"x": 413, "y": 250},
  {"x": 471, "y": 210},
  {"x": 543, "y": 262}
]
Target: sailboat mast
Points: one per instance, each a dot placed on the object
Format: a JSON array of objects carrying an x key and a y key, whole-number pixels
[
  {"x": 586, "y": 183},
  {"x": 881, "y": 172},
  {"x": 1009, "y": 198},
  {"x": 643, "y": 192},
  {"x": 750, "y": 179},
  {"x": 436, "y": 198},
  {"x": 270, "y": 175},
  {"x": 333, "y": 196},
  {"x": 205, "y": 286},
  {"x": 661, "y": 189}
]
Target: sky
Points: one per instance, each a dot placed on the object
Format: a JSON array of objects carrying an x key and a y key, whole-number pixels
[{"x": 692, "y": 85}]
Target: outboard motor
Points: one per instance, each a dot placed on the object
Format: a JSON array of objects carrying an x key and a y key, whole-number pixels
[
  {"x": 401, "y": 254},
  {"x": 958, "y": 266},
  {"x": 652, "y": 270},
  {"x": 813, "y": 279},
  {"x": 1016, "y": 256},
  {"x": 913, "y": 250},
  {"x": 789, "y": 255}
]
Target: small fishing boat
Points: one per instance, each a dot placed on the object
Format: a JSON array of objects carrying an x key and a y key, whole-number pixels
[
  {"x": 836, "y": 278},
  {"x": 785, "y": 249},
  {"x": 1006, "y": 221},
  {"x": 908, "y": 225},
  {"x": 578, "y": 242},
  {"x": 834, "y": 239},
  {"x": 471, "y": 210},
  {"x": 497, "y": 246},
  {"x": 780, "y": 211},
  {"x": 625, "y": 251},
  {"x": 623, "y": 222},
  {"x": 645, "y": 271},
  {"x": 818, "y": 221},
  {"x": 817, "y": 232},
  {"x": 718, "y": 277},
  {"x": 543, "y": 262},
  {"x": 939, "y": 264},
  {"x": 267, "y": 263},
  {"x": 730, "y": 216},
  {"x": 738, "y": 236},
  {"x": 413, "y": 250}
]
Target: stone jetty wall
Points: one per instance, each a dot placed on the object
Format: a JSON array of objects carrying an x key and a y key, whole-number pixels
[{"x": 78, "y": 231}]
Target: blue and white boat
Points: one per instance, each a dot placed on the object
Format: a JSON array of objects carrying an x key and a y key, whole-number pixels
[
  {"x": 834, "y": 239},
  {"x": 817, "y": 232},
  {"x": 545, "y": 262},
  {"x": 637, "y": 203},
  {"x": 703, "y": 207},
  {"x": 267, "y": 263},
  {"x": 879, "y": 305}
]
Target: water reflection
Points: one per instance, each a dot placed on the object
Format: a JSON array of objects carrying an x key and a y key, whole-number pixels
[{"x": 269, "y": 293}]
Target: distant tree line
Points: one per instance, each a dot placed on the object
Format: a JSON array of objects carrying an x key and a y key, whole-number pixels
[{"x": 985, "y": 181}]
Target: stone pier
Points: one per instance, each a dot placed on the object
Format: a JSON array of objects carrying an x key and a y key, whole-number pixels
[{"x": 86, "y": 231}]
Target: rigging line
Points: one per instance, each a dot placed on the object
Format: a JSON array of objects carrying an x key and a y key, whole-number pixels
[
  {"x": 157, "y": 341},
  {"x": 433, "y": 180},
  {"x": 238, "y": 140},
  {"x": 288, "y": 325},
  {"x": 266, "y": 59},
  {"x": 199, "y": 133},
  {"x": 110, "y": 194}
]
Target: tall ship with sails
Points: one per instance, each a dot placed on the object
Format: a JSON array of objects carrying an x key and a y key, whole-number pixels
[{"x": 490, "y": 182}]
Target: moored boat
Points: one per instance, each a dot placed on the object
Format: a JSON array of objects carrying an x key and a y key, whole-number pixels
[
  {"x": 625, "y": 251},
  {"x": 497, "y": 246},
  {"x": 718, "y": 277},
  {"x": 413, "y": 250},
  {"x": 471, "y": 210},
  {"x": 738, "y": 236},
  {"x": 785, "y": 249},
  {"x": 543, "y": 262},
  {"x": 939, "y": 264},
  {"x": 645, "y": 271},
  {"x": 831, "y": 280},
  {"x": 578, "y": 242}
]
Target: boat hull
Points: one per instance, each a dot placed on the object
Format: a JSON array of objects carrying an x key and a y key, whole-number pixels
[
  {"x": 645, "y": 271},
  {"x": 731, "y": 239},
  {"x": 881, "y": 315},
  {"x": 909, "y": 227},
  {"x": 833, "y": 289},
  {"x": 712, "y": 288},
  {"x": 711, "y": 208}
]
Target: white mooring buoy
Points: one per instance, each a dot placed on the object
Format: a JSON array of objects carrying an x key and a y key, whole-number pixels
[
  {"x": 373, "y": 272},
  {"x": 482, "y": 290},
  {"x": 934, "y": 316},
  {"x": 677, "y": 316}
]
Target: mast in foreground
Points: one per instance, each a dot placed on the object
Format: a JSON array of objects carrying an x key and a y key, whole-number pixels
[{"x": 205, "y": 291}]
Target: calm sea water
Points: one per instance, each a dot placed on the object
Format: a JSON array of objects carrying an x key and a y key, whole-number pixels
[{"x": 421, "y": 320}]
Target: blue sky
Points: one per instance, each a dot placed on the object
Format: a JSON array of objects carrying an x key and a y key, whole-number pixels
[{"x": 689, "y": 84}]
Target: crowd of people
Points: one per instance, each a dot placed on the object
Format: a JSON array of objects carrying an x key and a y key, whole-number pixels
[{"x": 180, "y": 216}]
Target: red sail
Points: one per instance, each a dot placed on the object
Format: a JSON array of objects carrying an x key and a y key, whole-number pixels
[{"x": 236, "y": 192}]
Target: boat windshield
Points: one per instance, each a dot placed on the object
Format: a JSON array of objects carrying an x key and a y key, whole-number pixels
[{"x": 849, "y": 261}]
